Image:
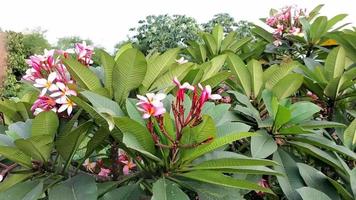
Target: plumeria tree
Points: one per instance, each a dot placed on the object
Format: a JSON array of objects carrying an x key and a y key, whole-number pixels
[{"x": 223, "y": 119}]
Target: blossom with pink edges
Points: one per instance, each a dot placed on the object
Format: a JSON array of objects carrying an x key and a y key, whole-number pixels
[{"x": 151, "y": 104}]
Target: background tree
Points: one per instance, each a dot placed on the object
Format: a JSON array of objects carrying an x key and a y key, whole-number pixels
[
  {"x": 68, "y": 42},
  {"x": 35, "y": 42},
  {"x": 224, "y": 19},
  {"x": 158, "y": 33}
]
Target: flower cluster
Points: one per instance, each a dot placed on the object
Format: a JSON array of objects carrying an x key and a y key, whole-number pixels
[
  {"x": 152, "y": 108},
  {"x": 286, "y": 21},
  {"x": 127, "y": 164},
  {"x": 49, "y": 74}
]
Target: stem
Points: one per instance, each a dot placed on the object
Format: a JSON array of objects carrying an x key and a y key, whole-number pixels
[
  {"x": 7, "y": 170},
  {"x": 114, "y": 157}
]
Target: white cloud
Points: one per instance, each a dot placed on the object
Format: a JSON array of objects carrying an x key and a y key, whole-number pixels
[{"x": 107, "y": 22}]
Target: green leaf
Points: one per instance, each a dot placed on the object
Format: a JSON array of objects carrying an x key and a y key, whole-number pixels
[
  {"x": 132, "y": 111},
  {"x": 156, "y": 67},
  {"x": 165, "y": 81},
  {"x": 274, "y": 76},
  {"x": 13, "y": 179},
  {"x": 282, "y": 116},
  {"x": 325, "y": 143},
  {"x": 350, "y": 135},
  {"x": 291, "y": 179},
  {"x": 215, "y": 144},
  {"x": 313, "y": 13},
  {"x": 341, "y": 190},
  {"x": 164, "y": 189},
  {"x": 216, "y": 79},
  {"x": 211, "y": 44},
  {"x": 136, "y": 136},
  {"x": 335, "y": 63},
  {"x": 314, "y": 124},
  {"x": 75, "y": 188},
  {"x": 122, "y": 49},
  {"x": 335, "y": 20},
  {"x": 308, "y": 193},
  {"x": 99, "y": 119},
  {"x": 315, "y": 179},
  {"x": 45, "y": 123},
  {"x": 318, "y": 28},
  {"x": 129, "y": 72},
  {"x": 287, "y": 85},
  {"x": 237, "y": 44},
  {"x": 129, "y": 192},
  {"x": 318, "y": 154},
  {"x": 9, "y": 109},
  {"x": 229, "y": 39},
  {"x": 238, "y": 67},
  {"x": 82, "y": 74},
  {"x": 37, "y": 147},
  {"x": 108, "y": 63},
  {"x": 216, "y": 64},
  {"x": 29, "y": 190},
  {"x": 256, "y": 73},
  {"x": 217, "y": 178},
  {"x": 208, "y": 191},
  {"x": 218, "y": 34},
  {"x": 302, "y": 111},
  {"x": 98, "y": 139},
  {"x": 263, "y": 33},
  {"x": 68, "y": 143},
  {"x": 231, "y": 163},
  {"x": 16, "y": 155},
  {"x": 103, "y": 104},
  {"x": 20, "y": 129},
  {"x": 353, "y": 181},
  {"x": 262, "y": 145}
]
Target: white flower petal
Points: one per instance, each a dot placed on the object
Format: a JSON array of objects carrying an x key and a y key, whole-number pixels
[
  {"x": 215, "y": 97},
  {"x": 53, "y": 87},
  {"x": 160, "y": 96},
  {"x": 41, "y": 81},
  {"x": 63, "y": 108},
  {"x": 52, "y": 76},
  {"x": 43, "y": 92},
  {"x": 61, "y": 86}
]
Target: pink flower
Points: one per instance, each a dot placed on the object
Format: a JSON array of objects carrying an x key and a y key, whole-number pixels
[
  {"x": 294, "y": 30},
  {"x": 63, "y": 92},
  {"x": 104, "y": 172},
  {"x": 263, "y": 183},
  {"x": 66, "y": 104},
  {"x": 151, "y": 104},
  {"x": 43, "y": 103},
  {"x": 271, "y": 21},
  {"x": 84, "y": 52},
  {"x": 129, "y": 165},
  {"x": 182, "y": 88},
  {"x": 46, "y": 84},
  {"x": 206, "y": 93},
  {"x": 279, "y": 30}
]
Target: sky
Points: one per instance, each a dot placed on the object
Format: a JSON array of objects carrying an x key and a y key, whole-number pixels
[{"x": 107, "y": 22}]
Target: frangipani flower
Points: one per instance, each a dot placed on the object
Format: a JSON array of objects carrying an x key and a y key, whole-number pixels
[
  {"x": 129, "y": 165},
  {"x": 84, "y": 52},
  {"x": 181, "y": 61},
  {"x": 182, "y": 88},
  {"x": 63, "y": 92},
  {"x": 206, "y": 93},
  {"x": 46, "y": 84},
  {"x": 67, "y": 104},
  {"x": 104, "y": 172},
  {"x": 89, "y": 166},
  {"x": 43, "y": 103},
  {"x": 151, "y": 104}
]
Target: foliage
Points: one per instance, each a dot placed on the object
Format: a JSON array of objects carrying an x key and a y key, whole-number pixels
[
  {"x": 231, "y": 123},
  {"x": 68, "y": 42},
  {"x": 224, "y": 19},
  {"x": 35, "y": 42},
  {"x": 16, "y": 66},
  {"x": 159, "y": 33}
]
